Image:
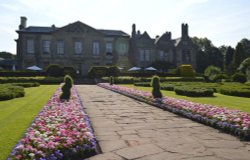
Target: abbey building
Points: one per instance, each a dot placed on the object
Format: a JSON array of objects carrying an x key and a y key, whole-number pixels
[{"x": 81, "y": 46}]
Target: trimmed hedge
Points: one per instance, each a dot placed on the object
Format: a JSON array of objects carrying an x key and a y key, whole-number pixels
[
  {"x": 26, "y": 85},
  {"x": 22, "y": 73},
  {"x": 8, "y": 91},
  {"x": 186, "y": 70},
  {"x": 194, "y": 92},
  {"x": 235, "y": 91},
  {"x": 41, "y": 80}
]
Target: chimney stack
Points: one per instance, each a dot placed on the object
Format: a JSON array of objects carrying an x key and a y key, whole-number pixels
[
  {"x": 184, "y": 30},
  {"x": 23, "y": 23}
]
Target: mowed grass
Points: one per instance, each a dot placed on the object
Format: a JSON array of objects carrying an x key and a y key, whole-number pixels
[
  {"x": 232, "y": 102},
  {"x": 17, "y": 114}
]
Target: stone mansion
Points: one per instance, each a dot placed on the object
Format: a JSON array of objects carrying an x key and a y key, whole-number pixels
[{"x": 81, "y": 46}]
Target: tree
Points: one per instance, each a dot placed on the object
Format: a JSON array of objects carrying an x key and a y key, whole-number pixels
[
  {"x": 7, "y": 55},
  {"x": 238, "y": 56},
  {"x": 246, "y": 46},
  {"x": 207, "y": 54},
  {"x": 244, "y": 65}
]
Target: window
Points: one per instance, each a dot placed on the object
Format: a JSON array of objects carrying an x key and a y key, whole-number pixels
[
  {"x": 60, "y": 47},
  {"x": 78, "y": 47},
  {"x": 46, "y": 47},
  {"x": 123, "y": 48},
  {"x": 147, "y": 55},
  {"x": 109, "y": 48},
  {"x": 186, "y": 56},
  {"x": 141, "y": 55},
  {"x": 161, "y": 55},
  {"x": 96, "y": 48},
  {"x": 165, "y": 56},
  {"x": 30, "y": 46}
]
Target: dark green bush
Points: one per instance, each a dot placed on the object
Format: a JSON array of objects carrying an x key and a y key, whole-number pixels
[
  {"x": 26, "y": 85},
  {"x": 168, "y": 87},
  {"x": 97, "y": 71},
  {"x": 239, "y": 77},
  {"x": 143, "y": 84},
  {"x": 41, "y": 80},
  {"x": 212, "y": 72},
  {"x": 54, "y": 70},
  {"x": 155, "y": 83},
  {"x": 8, "y": 91},
  {"x": 22, "y": 73},
  {"x": 235, "y": 91},
  {"x": 69, "y": 71},
  {"x": 66, "y": 88},
  {"x": 113, "y": 71},
  {"x": 120, "y": 80},
  {"x": 193, "y": 92},
  {"x": 219, "y": 77}
]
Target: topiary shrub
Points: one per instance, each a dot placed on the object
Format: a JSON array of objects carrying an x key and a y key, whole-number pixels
[
  {"x": 239, "y": 77},
  {"x": 155, "y": 83},
  {"x": 66, "y": 88},
  {"x": 186, "y": 70},
  {"x": 111, "y": 80},
  {"x": 54, "y": 70}
]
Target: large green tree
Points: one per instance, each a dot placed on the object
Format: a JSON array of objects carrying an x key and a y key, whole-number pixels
[
  {"x": 246, "y": 46},
  {"x": 239, "y": 55},
  {"x": 6, "y": 55},
  {"x": 207, "y": 54}
]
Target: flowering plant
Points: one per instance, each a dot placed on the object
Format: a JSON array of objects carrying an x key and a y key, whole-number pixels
[
  {"x": 232, "y": 121},
  {"x": 60, "y": 131}
]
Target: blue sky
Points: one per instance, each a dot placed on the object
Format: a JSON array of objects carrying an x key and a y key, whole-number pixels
[{"x": 222, "y": 21}]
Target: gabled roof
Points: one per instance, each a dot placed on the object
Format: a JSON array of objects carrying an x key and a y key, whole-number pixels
[
  {"x": 113, "y": 33},
  {"x": 145, "y": 36}
]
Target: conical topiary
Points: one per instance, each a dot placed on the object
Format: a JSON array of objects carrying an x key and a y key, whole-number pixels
[
  {"x": 66, "y": 88},
  {"x": 111, "y": 80},
  {"x": 155, "y": 83}
]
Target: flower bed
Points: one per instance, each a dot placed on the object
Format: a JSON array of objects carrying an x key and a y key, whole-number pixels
[
  {"x": 60, "y": 131},
  {"x": 231, "y": 121}
]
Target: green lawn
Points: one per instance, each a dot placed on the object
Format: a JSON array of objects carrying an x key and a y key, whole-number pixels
[
  {"x": 232, "y": 102},
  {"x": 17, "y": 114}
]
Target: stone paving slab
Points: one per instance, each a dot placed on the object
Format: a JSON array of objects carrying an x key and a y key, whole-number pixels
[{"x": 128, "y": 129}]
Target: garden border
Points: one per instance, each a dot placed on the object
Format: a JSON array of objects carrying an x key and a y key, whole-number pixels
[{"x": 220, "y": 125}]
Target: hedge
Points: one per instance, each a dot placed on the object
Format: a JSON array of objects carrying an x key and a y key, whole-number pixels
[
  {"x": 8, "y": 91},
  {"x": 186, "y": 70},
  {"x": 26, "y": 85},
  {"x": 21, "y": 74},
  {"x": 120, "y": 80},
  {"x": 235, "y": 91},
  {"x": 194, "y": 92},
  {"x": 41, "y": 80}
]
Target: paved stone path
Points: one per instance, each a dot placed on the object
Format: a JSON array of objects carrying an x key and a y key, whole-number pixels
[{"x": 129, "y": 129}]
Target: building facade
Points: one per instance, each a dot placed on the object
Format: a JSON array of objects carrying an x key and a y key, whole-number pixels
[{"x": 81, "y": 46}]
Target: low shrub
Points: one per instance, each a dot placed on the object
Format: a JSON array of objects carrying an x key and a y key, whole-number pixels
[
  {"x": 235, "y": 90},
  {"x": 143, "y": 84},
  {"x": 41, "y": 80},
  {"x": 54, "y": 70},
  {"x": 211, "y": 72},
  {"x": 194, "y": 92},
  {"x": 186, "y": 70},
  {"x": 22, "y": 73},
  {"x": 168, "y": 87},
  {"x": 8, "y": 91},
  {"x": 69, "y": 71},
  {"x": 120, "y": 80},
  {"x": 239, "y": 77},
  {"x": 26, "y": 85}
]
